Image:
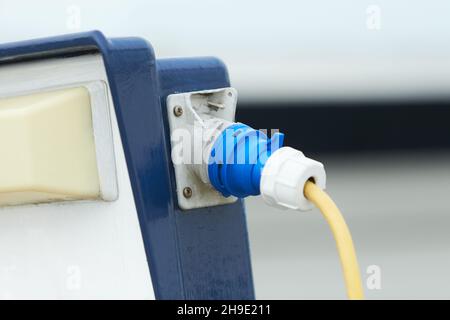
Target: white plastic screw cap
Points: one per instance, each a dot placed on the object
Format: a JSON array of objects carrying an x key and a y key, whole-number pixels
[{"x": 284, "y": 176}]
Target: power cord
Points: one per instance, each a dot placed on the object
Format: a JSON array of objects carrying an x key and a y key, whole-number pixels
[{"x": 342, "y": 236}]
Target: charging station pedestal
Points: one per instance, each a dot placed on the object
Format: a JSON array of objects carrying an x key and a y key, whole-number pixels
[{"x": 191, "y": 254}]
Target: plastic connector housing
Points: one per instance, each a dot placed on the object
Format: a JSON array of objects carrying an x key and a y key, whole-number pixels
[
  {"x": 284, "y": 176},
  {"x": 204, "y": 115},
  {"x": 237, "y": 159}
]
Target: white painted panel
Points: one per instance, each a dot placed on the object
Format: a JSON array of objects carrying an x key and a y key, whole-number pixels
[{"x": 78, "y": 249}]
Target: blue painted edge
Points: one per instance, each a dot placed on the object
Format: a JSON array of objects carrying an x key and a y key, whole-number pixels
[
  {"x": 203, "y": 254},
  {"x": 213, "y": 242}
]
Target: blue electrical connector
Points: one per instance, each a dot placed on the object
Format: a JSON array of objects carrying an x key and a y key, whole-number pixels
[{"x": 237, "y": 159}]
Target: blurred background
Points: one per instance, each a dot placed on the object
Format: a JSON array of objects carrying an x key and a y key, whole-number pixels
[{"x": 363, "y": 86}]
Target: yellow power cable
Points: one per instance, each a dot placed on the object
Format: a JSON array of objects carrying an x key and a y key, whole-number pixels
[{"x": 342, "y": 237}]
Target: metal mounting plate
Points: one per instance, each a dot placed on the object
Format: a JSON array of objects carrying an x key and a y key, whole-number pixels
[{"x": 195, "y": 106}]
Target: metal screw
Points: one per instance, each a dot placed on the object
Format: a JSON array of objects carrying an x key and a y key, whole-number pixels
[
  {"x": 178, "y": 111},
  {"x": 187, "y": 192}
]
